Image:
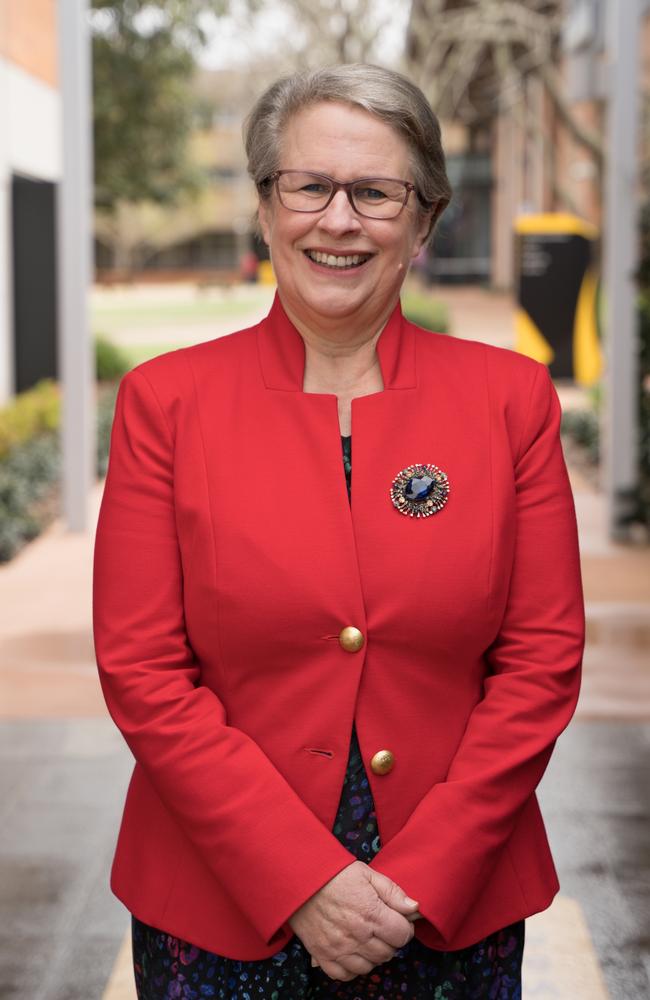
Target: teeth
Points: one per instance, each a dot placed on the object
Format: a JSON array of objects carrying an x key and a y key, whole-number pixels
[{"x": 332, "y": 261}]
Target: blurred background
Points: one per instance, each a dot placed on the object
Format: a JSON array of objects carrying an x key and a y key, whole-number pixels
[{"x": 126, "y": 230}]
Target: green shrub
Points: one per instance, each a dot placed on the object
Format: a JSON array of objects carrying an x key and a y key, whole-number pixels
[
  {"x": 110, "y": 362},
  {"x": 28, "y": 476},
  {"x": 643, "y": 493},
  {"x": 582, "y": 426},
  {"x": 106, "y": 397},
  {"x": 32, "y": 412},
  {"x": 425, "y": 311},
  {"x": 30, "y": 473}
]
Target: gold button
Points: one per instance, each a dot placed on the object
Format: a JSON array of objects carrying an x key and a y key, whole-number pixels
[
  {"x": 382, "y": 762},
  {"x": 351, "y": 639}
]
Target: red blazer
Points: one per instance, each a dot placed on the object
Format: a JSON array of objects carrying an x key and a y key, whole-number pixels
[{"x": 227, "y": 561}]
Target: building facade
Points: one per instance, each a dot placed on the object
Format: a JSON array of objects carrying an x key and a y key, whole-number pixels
[{"x": 30, "y": 169}]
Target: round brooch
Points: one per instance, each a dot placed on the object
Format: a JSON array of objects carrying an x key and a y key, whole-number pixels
[{"x": 420, "y": 490}]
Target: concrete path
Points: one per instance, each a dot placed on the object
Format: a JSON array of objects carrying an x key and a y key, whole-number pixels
[{"x": 64, "y": 769}]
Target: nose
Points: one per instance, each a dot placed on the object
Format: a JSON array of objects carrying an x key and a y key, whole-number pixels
[{"x": 339, "y": 216}]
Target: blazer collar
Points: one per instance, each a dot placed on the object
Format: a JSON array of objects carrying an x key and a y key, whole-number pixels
[{"x": 282, "y": 351}]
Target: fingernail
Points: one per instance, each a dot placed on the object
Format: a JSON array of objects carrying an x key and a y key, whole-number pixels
[{"x": 413, "y": 902}]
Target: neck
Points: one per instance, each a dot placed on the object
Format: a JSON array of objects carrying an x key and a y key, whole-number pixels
[{"x": 341, "y": 355}]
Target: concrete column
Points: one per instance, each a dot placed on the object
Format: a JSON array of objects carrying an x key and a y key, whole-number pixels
[
  {"x": 619, "y": 431},
  {"x": 76, "y": 360},
  {"x": 535, "y": 146},
  {"x": 504, "y": 202}
]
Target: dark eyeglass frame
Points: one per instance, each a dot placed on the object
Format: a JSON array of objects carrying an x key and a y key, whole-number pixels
[{"x": 340, "y": 186}]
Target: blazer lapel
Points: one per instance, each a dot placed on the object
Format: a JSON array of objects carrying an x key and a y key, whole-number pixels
[{"x": 282, "y": 352}]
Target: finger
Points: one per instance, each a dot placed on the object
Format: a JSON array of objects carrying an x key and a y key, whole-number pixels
[
  {"x": 391, "y": 893},
  {"x": 356, "y": 964},
  {"x": 394, "y": 928},
  {"x": 376, "y": 951},
  {"x": 336, "y": 971}
]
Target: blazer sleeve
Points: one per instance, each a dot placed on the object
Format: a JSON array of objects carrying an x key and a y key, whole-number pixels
[
  {"x": 251, "y": 828},
  {"x": 450, "y": 843}
]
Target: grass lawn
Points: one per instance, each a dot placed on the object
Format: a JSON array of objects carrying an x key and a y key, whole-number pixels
[
  {"x": 119, "y": 312},
  {"x": 126, "y": 311},
  {"x": 142, "y": 352}
]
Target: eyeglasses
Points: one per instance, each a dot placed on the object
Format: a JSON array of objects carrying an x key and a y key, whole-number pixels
[{"x": 372, "y": 197}]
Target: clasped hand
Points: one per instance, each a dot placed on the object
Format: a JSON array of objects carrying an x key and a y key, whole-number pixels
[{"x": 356, "y": 921}]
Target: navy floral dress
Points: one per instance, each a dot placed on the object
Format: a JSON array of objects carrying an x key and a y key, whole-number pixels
[{"x": 167, "y": 967}]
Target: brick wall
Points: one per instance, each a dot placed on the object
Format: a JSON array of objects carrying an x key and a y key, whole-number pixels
[{"x": 28, "y": 37}]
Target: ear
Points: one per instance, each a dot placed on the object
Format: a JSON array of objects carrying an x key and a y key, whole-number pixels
[
  {"x": 264, "y": 213},
  {"x": 423, "y": 229}
]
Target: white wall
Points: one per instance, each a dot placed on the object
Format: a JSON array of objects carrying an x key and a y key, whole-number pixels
[{"x": 30, "y": 144}]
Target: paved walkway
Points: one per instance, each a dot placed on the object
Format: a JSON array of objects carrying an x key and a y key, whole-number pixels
[{"x": 64, "y": 769}]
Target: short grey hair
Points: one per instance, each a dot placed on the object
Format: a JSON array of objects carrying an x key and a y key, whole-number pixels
[{"x": 388, "y": 95}]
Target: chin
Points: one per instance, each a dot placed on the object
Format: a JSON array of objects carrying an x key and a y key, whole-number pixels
[{"x": 338, "y": 309}]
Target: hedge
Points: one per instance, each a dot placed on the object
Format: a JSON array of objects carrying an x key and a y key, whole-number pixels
[{"x": 30, "y": 451}]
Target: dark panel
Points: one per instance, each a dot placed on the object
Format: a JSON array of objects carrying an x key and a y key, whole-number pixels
[
  {"x": 461, "y": 247},
  {"x": 550, "y": 270},
  {"x": 34, "y": 279}
]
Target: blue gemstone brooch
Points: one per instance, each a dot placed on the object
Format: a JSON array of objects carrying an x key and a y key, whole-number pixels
[{"x": 420, "y": 490}]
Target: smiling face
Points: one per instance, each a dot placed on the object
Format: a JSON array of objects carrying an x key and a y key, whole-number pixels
[{"x": 346, "y": 143}]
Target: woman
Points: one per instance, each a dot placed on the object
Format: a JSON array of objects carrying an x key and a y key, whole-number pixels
[{"x": 340, "y": 702}]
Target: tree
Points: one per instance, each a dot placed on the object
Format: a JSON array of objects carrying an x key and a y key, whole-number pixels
[
  {"x": 336, "y": 31},
  {"x": 144, "y": 108},
  {"x": 472, "y": 59}
]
